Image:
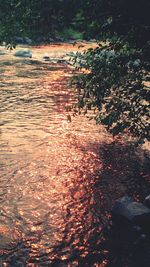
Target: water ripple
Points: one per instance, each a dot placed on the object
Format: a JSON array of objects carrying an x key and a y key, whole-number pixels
[{"x": 47, "y": 207}]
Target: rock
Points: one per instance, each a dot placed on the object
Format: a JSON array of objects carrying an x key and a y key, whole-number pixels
[
  {"x": 73, "y": 42},
  {"x": 46, "y": 58},
  {"x": 126, "y": 211},
  {"x": 23, "y": 53},
  {"x": 147, "y": 201},
  {"x": 92, "y": 40},
  {"x": 23, "y": 40},
  {"x": 44, "y": 39},
  {"x": 137, "y": 63},
  {"x": 19, "y": 40},
  {"x": 38, "y": 40},
  {"x": 59, "y": 39},
  {"x": 2, "y": 53},
  {"x": 61, "y": 61},
  {"x": 27, "y": 41},
  {"x": 51, "y": 40}
]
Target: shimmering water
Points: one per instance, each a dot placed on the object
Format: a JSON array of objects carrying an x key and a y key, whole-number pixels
[{"x": 50, "y": 207}]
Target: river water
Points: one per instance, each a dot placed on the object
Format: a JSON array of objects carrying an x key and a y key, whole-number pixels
[{"x": 49, "y": 165}]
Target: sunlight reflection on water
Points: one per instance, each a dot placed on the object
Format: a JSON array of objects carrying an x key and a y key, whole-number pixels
[{"x": 48, "y": 210}]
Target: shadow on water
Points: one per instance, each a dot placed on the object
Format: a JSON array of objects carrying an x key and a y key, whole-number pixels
[
  {"x": 88, "y": 236},
  {"x": 92, "y": 239},
  {"x": 89, "y": 239}
]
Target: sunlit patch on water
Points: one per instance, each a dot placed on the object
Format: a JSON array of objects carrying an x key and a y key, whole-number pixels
[{"x": 51, "y": 201}]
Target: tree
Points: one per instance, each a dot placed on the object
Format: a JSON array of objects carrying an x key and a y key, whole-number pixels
[
  {"x": 34, "y": 17},
  {"x": 114, "y": 84},
  {"x": 124, "y": 18}
]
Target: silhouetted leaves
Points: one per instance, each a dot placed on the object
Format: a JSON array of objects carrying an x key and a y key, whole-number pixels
[{"x": 114, "y": 85}]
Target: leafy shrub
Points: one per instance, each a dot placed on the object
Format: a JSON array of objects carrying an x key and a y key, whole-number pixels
[
  {"x": 68, "y": 33},
  {"x": 113, "y": 85}
]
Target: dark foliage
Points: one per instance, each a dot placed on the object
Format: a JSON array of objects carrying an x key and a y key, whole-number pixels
[
  {"x": 115, "y": 88},
  {"x": 117, "y": 70},
  {"x": 35, "y": 18}
]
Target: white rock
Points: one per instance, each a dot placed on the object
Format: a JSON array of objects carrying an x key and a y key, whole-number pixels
[{"x": 23, "y": 53}]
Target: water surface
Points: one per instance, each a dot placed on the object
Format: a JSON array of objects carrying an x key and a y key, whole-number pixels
[{"x": 48, "y": 212}]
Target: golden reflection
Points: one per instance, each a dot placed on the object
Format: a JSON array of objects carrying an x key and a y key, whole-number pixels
[{"x": 50, "y": 159}]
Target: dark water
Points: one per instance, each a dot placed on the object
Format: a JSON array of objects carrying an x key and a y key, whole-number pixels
[{"x": 48, "y": 165}]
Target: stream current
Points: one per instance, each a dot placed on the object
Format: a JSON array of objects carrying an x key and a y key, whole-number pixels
[{"x": 49, "y": 214}]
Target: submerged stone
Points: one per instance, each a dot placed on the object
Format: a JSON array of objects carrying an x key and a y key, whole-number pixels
[
  {"x": 125, "y": 210},
  {"x": 23, "y": 53}
]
